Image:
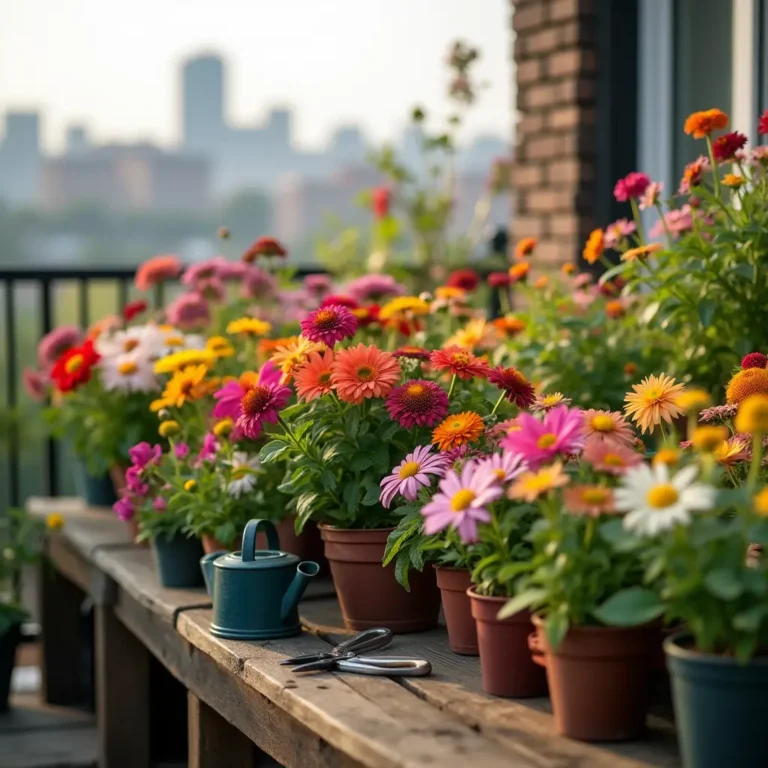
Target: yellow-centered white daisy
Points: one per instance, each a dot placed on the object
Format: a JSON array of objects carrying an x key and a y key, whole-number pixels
[
  {"x": 131, "y": 372},
  {"x": 656, "y": 501},
  {"x": 244, "y": 473}
]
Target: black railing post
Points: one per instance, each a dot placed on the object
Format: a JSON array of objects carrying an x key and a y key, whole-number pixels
[
  {"x": 52, "y": 484},
  {"x": 11, "y": 382}
]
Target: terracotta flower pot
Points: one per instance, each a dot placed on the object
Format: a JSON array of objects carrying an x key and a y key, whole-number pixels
[
  {"x": 368, "y": 593},
  {"x": 599, "y": 680},
  {"x": 505, "y": 660},
  {"x": 462, "y": 632}
]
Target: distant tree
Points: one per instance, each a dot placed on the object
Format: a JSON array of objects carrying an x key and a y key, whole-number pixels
[{"x": 247, "y": 215}]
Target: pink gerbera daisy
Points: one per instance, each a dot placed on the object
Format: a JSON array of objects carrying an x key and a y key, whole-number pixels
[
  {"x": 560, "y": 432},
  {"x": 260, "y": 405},
  {"x": 411, "y": 474},
  {"x": 329, "y": 324},
  {"x": 313, "y": 378},
  {"x": 362, "y": 372},
  {"x": 609, "y": 456},
  {"x": 507, "y": 466},
  {"x": 591, "y": 500},
  {"x": 462, "y": 501},
  {"x": 229, "y": 397},
  {"x": 608, "y": 425},
  {"x": 417, "y": 403}
]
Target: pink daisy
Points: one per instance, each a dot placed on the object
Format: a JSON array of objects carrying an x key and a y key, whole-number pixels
[
  {"x": 560, "y": 432},
  {"x": 417, "y": 403},
  {"x": 230, "y": 396},
  {"x": 260, "y": 405},
  {"x": 188, "y": 310},
  {"x": 608, "y": 425},
  {"x": 411, "y": 474},
  {"x": 507, "y": 466},
  {"x": 611, "y": 457},
  {"x": 329, "y": 324}
]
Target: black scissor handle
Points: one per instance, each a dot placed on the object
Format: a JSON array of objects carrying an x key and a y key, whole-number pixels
[{"x": 368, "y": 640}]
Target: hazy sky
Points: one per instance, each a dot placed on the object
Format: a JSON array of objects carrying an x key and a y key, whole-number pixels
[{"x": 113, "y": 64}]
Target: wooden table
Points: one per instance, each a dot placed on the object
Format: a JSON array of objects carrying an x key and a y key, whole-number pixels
[{"x": 244, "y": 709}]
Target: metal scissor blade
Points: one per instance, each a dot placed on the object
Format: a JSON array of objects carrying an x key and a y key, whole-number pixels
[
  {"x": 389, "y": 666},
  {"x": 307, "y": 658},
  {"x": 317, "y": 666},
  {"x": 368, "y": 640}
]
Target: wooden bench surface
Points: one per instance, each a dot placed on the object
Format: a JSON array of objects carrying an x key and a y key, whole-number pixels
[{"x": 441, "y": 720}]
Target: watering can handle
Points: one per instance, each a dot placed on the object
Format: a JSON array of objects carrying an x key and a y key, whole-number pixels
[{"x": 249, "y": 537}]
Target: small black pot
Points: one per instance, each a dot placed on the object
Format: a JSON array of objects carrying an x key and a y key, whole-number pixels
[
  {"x": 8, "y": 644},
  {"x": 178, "y": 561},
  {"x": 720, "y": 706},
  {"x": 98, "y": 491}
]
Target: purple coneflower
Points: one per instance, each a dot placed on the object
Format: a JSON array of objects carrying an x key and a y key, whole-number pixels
[
  {"x": 411, "y": 474},
  {"x": 417, "y": 403},
  {"x": 329, "y": 324}
]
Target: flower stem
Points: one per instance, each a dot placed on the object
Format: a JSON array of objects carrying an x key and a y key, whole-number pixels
[
  {"x": 715, "y": 176},
  {"x": 638, "y": 220},
  {"x": 757, "y": 458},
  {"x": 498, "y": 403},
  {"x": 453, "y": 384}
]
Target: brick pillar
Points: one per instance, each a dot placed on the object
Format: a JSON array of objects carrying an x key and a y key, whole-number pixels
[{"x": 554, "y": 175}]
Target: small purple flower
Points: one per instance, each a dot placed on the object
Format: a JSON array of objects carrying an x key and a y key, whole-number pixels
[
  {"x": 188, "y": 310},
  {"x": 462, "y": 502},
  {"x": 318, "y": 285},
  {"x": 159, "y": 504},
  {"x": 258, "y": 284},
  {"x": 142, "y": 454},
  {"x": 134, "y": 482},
  {"x": 209, "y": 450},
  {"x": 411, "y": 474},
  {"x": 374, "y": 288},
  {"x": 202, "y": 271},
  {"x": 507, "y": 466},
  {"x": 329, "y": 324},
  {"x": 124, "y": 509},
  {"x": 181, "y": 450}
]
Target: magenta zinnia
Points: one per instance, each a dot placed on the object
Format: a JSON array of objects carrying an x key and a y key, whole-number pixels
[
  {"x": 412, "y": 473},
  {"x": 417, "y": 403},
  {"x": 515, "y": 386},
  {"x": 260, "y": 405},
  {"x": 329, "y": 324}
]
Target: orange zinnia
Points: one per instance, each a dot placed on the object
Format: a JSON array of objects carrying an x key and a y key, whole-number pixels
[
  {"x": 458, "y": 429},
  {"x": 509, "y": 325},
  {"x": 313, "y": 379},
  {"x": 701, "y": 124},
  {"x": 519, "y": 271},
  {"x": 361, "y": 372},
  {"x": 525, "y": 247},
  {"x": 157, "y": 270},
  {"x": 641, "y": 252},
  {"x": 593, "y": 250}
]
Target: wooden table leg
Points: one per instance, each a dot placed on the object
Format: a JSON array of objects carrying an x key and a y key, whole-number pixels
[
  {"x": 122, "y": 694},
  {"x": 60, "y": 615},
  {"x": 215, "y": 743}
]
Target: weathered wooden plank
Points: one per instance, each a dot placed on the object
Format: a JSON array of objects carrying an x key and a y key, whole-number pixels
[
  {"x": 134, "y": 570},
  {"x": 381, "y": 725},
  {"x": 122, "y": 694},
  {"x": 523, "y": 725}
]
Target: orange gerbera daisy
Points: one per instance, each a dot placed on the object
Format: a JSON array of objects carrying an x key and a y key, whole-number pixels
[
  {"x": 157, "y": 270},
  {"x": 702, "y": 124},
  {"x": 289, "y": 357},
  {"x": 458, "y": 429},
  {"x": 525, "y": 247},
  {"x": 460, "y": 362},
  {"x": 313, "y": 378},
  {"x": 751, "y": 381},
  {"x": 509, "y": 325},
  {"x": 361, "y": 372},
  {"x": 594, "y": 247},
  {"x": 267, "y": 347},
  {"x": 653, "y": 399},
  {"x": 450, "y": 292},
  {"x": 641, "y": 252}
]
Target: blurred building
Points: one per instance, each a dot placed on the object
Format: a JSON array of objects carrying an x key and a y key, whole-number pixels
[
  {"x": 127, "y": 177},
  {"x": 203, "y": 104},
  {"x": 20, "y": 158},
  {"x": 77, "y": 140}
]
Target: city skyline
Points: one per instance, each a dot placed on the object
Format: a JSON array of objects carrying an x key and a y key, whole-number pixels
[{"x": 332, "y": 66}]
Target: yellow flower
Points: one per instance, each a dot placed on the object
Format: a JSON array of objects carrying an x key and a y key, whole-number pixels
[
  {"x": 249, "y": 325},
  {"x": 190, "y": 485},
  {"x": 654, "y": 399},
  {"x": 54, "y": 521},
  {"x": 641, "y": 252},
  {"x": 752, "y": 415},
  {"x": 530, "y": 485},
  {"x": 476, "y": 333},
  {"x": 220, "y": 346},
  {"x": 668, "y": 456},
  {"x": 761, "y": 503},
  {"x": 168, "y": 428},
  {"x": 752, "y": 381},
  {"x": 693, "y": 400},
  {"x": 707, "y": 439},
  {"x": 186, "y": 384},
  {"x": 294, "y": 354},
  {"x": 403, "y": 306},
  {"x": 733, "y": 180},
  {"x": 223, "y": 427},
  {"x": 450, "y": 292},
  {"x": 178, "y": 360}
]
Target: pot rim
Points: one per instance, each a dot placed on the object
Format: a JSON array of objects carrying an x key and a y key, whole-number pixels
[
  {"x": 672, "y": 647},
  {"x": 473, "y": 594},
  {"x": 538, "y": 622},
  {"x": 328, "y": 526},
  {"x": 448, "y": 568}
]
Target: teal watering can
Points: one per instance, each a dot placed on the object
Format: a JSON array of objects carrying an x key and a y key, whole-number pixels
[{"x": 256, "y": 592}]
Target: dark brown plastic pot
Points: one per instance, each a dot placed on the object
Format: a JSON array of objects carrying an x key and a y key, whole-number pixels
[
  {"x": 505, "y": 661},
  {"x": 462, "y": 632},
  {"x": 368, "y": 593},
  {"x": 599, "y": 680}
]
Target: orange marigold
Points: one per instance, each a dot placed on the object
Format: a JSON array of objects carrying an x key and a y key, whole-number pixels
[
  {"x": 752, "y": 381},
  {"x": 541, "y": 282},
  {"x": 458, "y": 429},
  {"x": 525, "y": 247},
  {"x": 615, "y": 309},
  {"x": 520, "y": 271},
  {"x": 509, "y": 325},
  {"x": 595, "y": 246},
  {"x": 568, "y": 269},
  {"x": 702, "y": 124},
  {"x": 157, "y": 270},
  {"x": 641, "y": 252}
]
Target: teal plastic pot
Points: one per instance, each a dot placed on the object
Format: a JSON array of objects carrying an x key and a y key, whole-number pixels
[
  {"x": 720, "y": 706},
  {"x": 98, "y": 491},
  {"x": 178, "y": 561}
]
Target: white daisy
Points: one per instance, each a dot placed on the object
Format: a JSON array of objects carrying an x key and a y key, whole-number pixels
[
  {"x": 173, "y": 340},
  {"x": 147, "y": 340},
  {"x": 244, "y": 473},
  {"x": 131, "y": 372},
  {"x": 656, "y": 502}
]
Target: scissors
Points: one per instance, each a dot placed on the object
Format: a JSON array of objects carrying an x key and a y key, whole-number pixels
[{"x": 345, "y": 657}]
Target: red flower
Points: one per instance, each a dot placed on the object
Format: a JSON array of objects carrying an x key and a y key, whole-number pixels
[
  {"x": 725, "y": 147},
  {"x": 499, "y": 279},
  {"x": 754, "y": 359},
  {"x": 381, "y": 197},
  {"x": 134, "y": 308},
  {"x": 762, "y": 123},
  {"x": 341, "y": 300},
  {"x": 264, "y": 246},
  {"x": 367, "y": 315},
  {"x": 631, "y": 186},
  {"x": 460, "y": 362},
  {"x": 516, "y": 387},
  {"x": 467, "y": 279},
  {"x": 73, "y": 368}
]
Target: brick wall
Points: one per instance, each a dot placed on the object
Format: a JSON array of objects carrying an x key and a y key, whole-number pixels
[{"x": 554, "y": 174}]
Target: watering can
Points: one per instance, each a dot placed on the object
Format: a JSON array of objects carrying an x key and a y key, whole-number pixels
[{"x": 256, "y": 592}]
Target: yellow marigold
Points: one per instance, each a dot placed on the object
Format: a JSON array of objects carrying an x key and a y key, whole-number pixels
[
  {"x": 702, "y": 124},
  {"x": 509, "y": 325},
  {"x": 708, "y": 438},
  {"x": 594, "y": 247},
  {"x": 733, "y": 180},
  {"x": 250, "y": 326},
  {"x": 220, "y": 346},
  {"x": 190, "y": 485},
  {"x": 568, "y": 269},
  {"x": 641, "y": 252},
  {"x": 761, "y": 503},
  {"x": 223, "y": 427},
  {"x": 693, "y": 400},
  {"x": 168, "y": 428},
  {"x": 458, "y": 429},
  {"x": 54, "y": 521},
  {"x": 752, "y": 415},
  {"x": 178, "y": 360},
  {"x": 450, "y": 292},
  {"x": 520, "y": 271},
  {"x": 289, "y": 357},
  {"x": 525, "y": 247},
  {"x": 541, "y": 282},
  {"x": 186, "y": 385},
  {"x": 668, "y": 456},
  {"x": 476, "y": 333},
  {"x": 654, "y": 399},
  {"x": 403, "y": 305},
  {"x": 752, "y": 381}
]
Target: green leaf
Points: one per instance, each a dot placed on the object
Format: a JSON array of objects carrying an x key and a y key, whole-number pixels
[
  {"x": 328, "y": 479},
  {"x": 351, "y": 496},
  {"x": 372, "y": 491},
  {"x": 361, "y": 462},
  {"x": 402, "y": 566},
  {"x": 272, "y": 451},
  {"x": 522, "y": 601},
  {"x": 751, "y": 619},
  {"x": 305, "y": 503},
  {"x": 510, "y": 570},
  {"x": 707, "y": 309},
  {"x": 556, "y": 626},
  {"x": 724, "y": 583},
  {"x": 629, "y": 607}
]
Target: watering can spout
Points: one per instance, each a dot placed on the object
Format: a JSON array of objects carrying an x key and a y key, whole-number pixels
[
  {"x": 305, "y": 572},
  {"x": 206, "y": 564}
]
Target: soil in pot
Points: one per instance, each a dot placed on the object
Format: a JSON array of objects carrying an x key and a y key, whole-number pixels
[
  {"x": 178, "y": 561},
  {"x": 720, "y": 706},
  {"x": 505, "y": 660},
  {"x": 8, "y": 644},
  {"x": 368, "y": 593},
  {"x": 462, "y": 632},
  {"x": 599, "y": 679}
]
